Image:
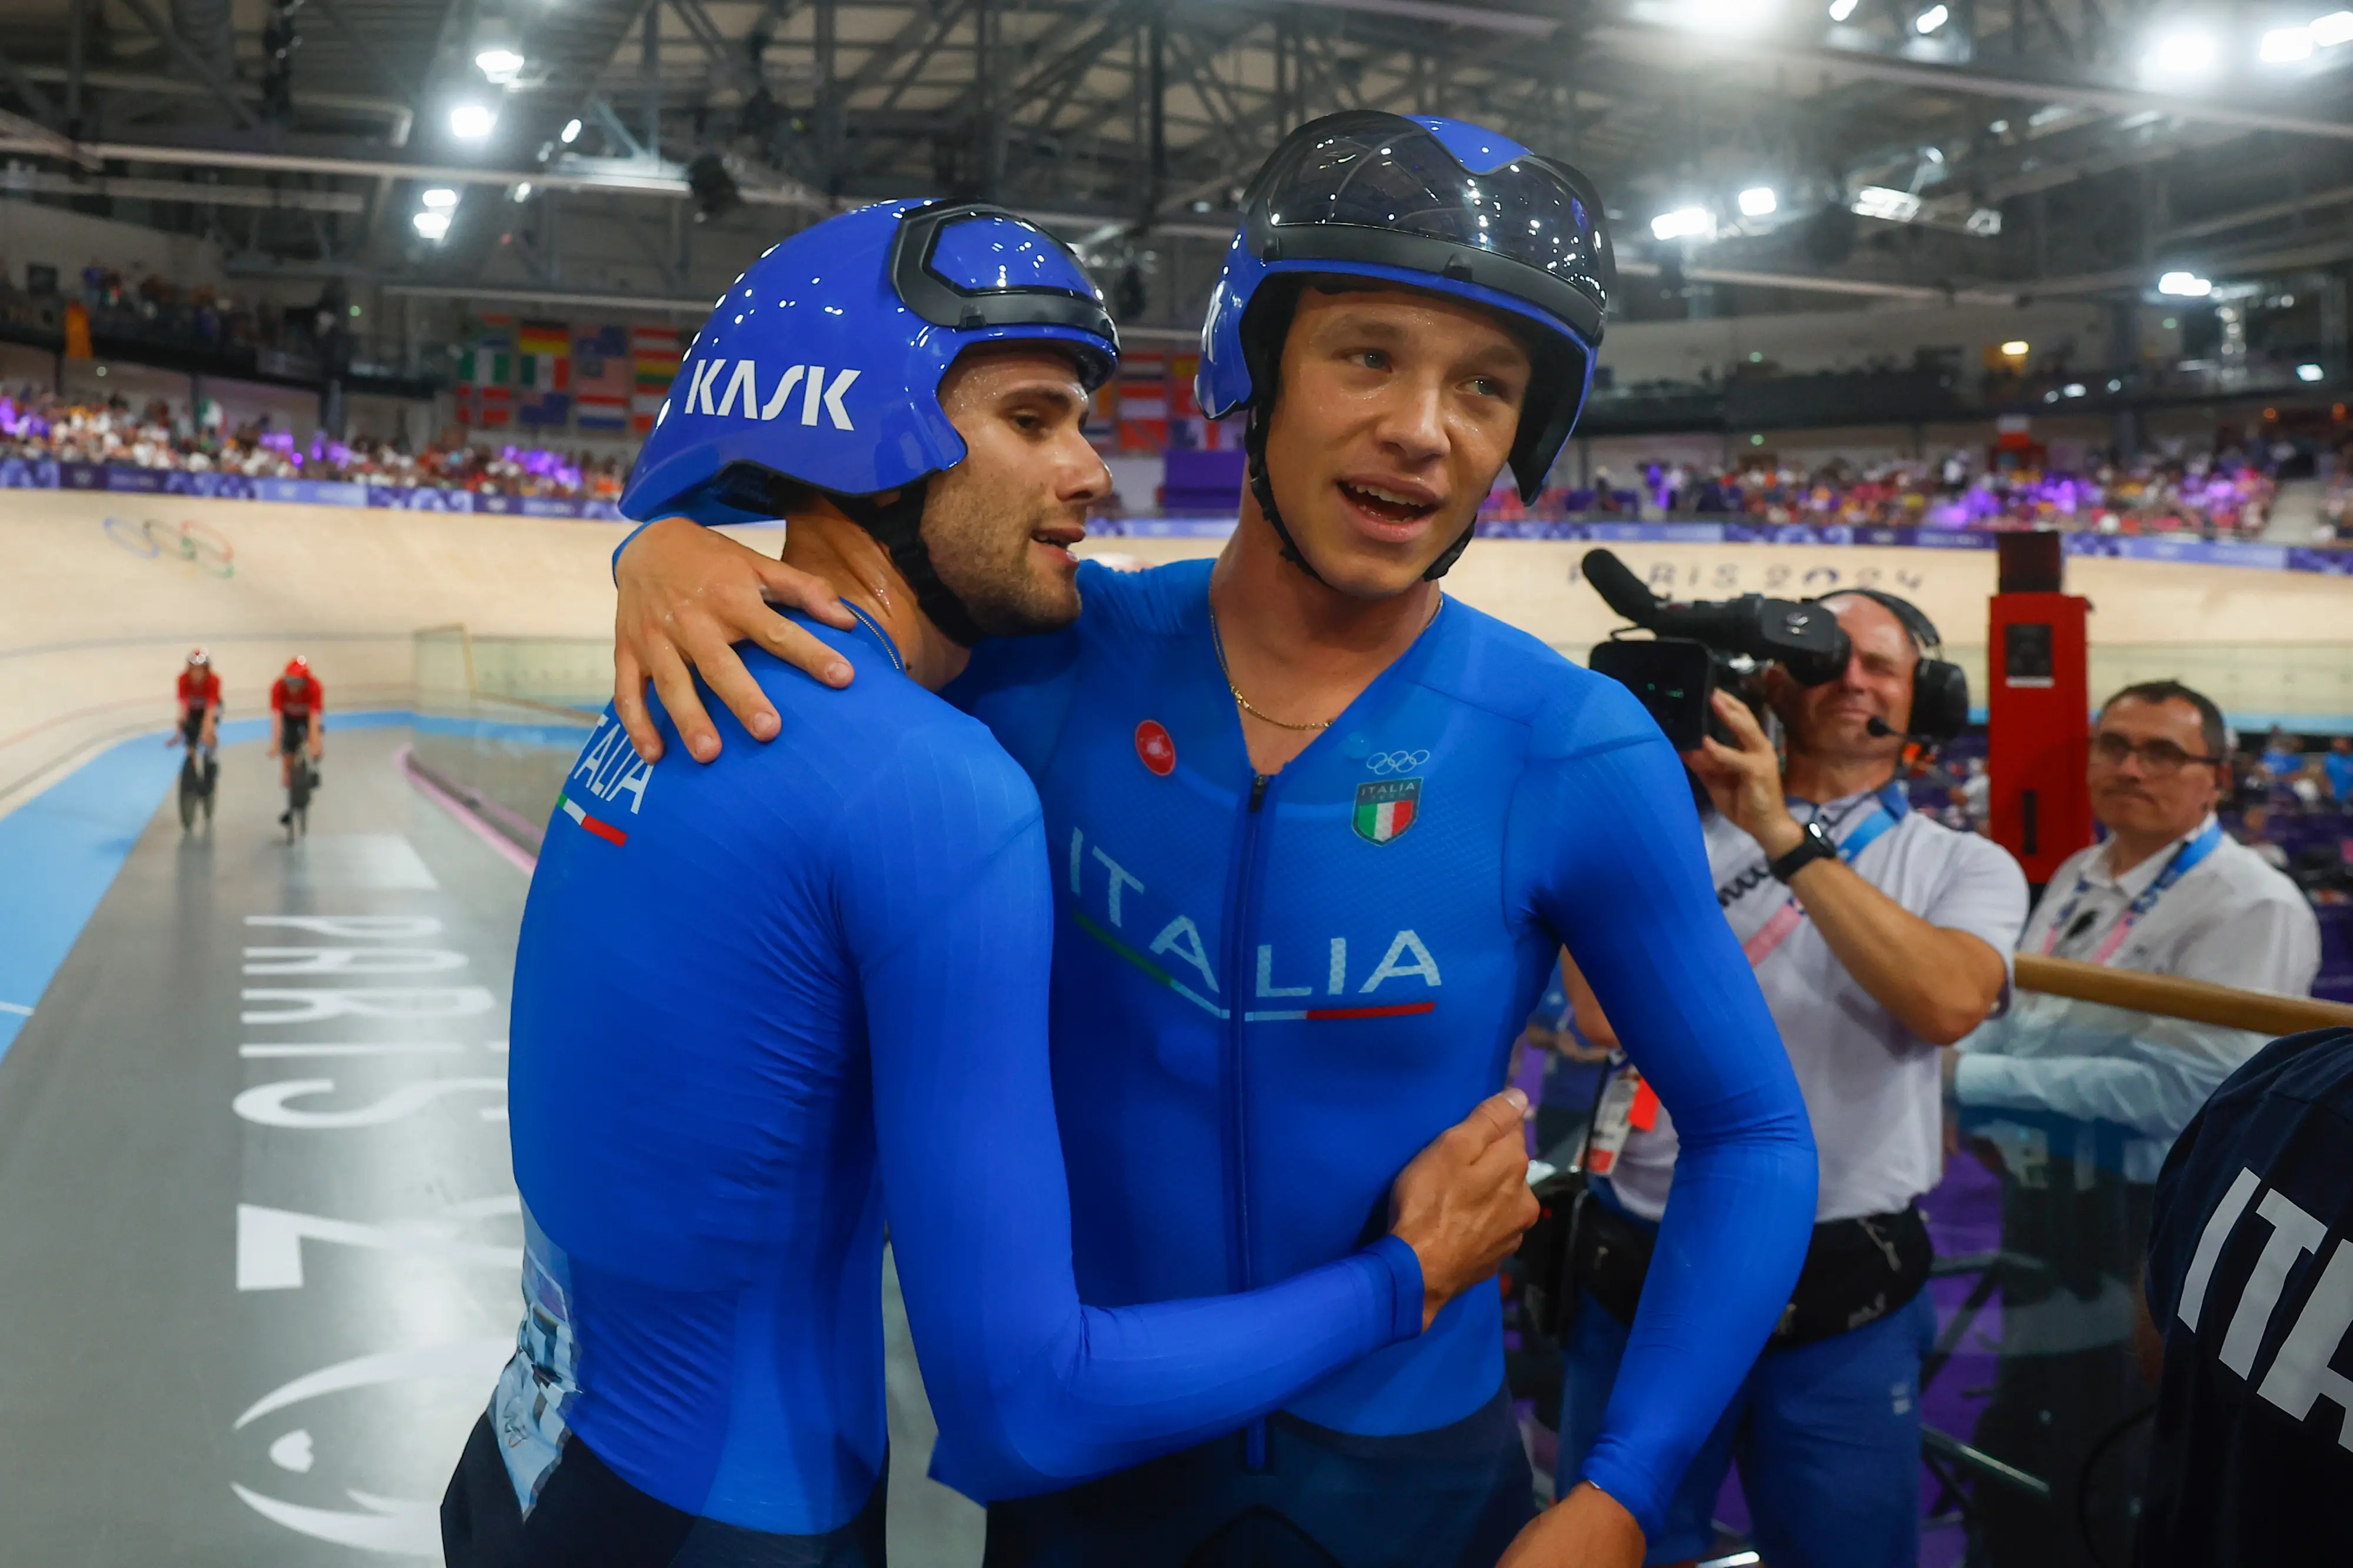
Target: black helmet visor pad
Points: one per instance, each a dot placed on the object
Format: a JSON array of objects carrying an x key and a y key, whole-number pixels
[
  {"x": 1379, "y": 196},
  {"x": 949, "y": 295}
]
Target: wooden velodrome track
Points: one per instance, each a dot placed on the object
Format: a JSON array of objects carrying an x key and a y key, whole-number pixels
[{"x": 105, "y": 593}]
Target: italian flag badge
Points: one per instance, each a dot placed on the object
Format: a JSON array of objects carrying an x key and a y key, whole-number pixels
[
  {"x": 1386, "y": 808},
  {"x": 601, "y": 828}
]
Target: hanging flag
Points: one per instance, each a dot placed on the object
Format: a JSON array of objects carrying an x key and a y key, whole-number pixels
[
  {"x": 1143, "y": 402},
  {"x": 653, "y": 354},
  {"x": 1186, "y": 428},
  {"x": 602, "y": 377},
  {"x": 1101, "y": 424},
  {"x": 543, "y": 373},
  {"x": 486, "y": 373}
]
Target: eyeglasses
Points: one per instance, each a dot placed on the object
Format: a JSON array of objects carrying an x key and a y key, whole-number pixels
[{"x": 2158, "y": 756}]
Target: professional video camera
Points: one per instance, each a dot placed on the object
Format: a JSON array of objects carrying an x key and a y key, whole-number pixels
[{"x": 1699, "y": 647}]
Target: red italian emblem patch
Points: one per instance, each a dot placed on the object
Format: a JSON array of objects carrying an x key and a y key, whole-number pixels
[{"x": 1152, "y": 744}]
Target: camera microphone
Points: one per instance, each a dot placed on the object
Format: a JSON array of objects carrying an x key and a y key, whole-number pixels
[{"x": 1620, "y": 588}]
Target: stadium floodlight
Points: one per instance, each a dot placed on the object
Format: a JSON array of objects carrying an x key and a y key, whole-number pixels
[
  {"x": 2186, "y": 285},
  {"x": 2184, "y": 52},
  {"x": 1984, "y": 222},
  {"x": 2015, "y": 349},
  {"x": 2333, "y": 29},
  {"x": 1842, "y": 9},
  {"x": 1725, "y": 16},
  {"x": 2310, "y": 372},
  {"x": 1758, "y": 201},
  {"x": 1933, "y": 18},
  {"x": 498, "y": 64},
  {"x": 431, "y": 224},
  {"x": 1684, "y": 223},
  {"x": 472, "y": 122},
  {"x": 2286, "y": 45},
  {"x": 571, "y": 133},
  {"x": 2073, "y": 389},
  {"x": 440, "y": 198},
  {"x": 1882, "y": 201}
]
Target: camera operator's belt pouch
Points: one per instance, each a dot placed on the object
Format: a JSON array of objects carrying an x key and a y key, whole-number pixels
[{"x": 1857, "y": 1271}]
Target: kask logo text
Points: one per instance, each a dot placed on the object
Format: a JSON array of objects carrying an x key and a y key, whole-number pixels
[{"x": 744, "y": 386}]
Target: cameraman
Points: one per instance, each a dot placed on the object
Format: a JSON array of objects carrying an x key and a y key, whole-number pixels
[{"x": 1878, "y": 935}]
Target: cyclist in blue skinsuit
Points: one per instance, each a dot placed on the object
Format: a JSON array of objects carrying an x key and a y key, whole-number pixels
[
  {"x": 865, "y": 920},
  {"x": 1317, "y": 834}
]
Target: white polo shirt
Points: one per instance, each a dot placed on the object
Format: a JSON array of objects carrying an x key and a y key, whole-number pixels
[
  {"x": 2232, "y": 920},
  {"x": 1873, "y": 1088}
]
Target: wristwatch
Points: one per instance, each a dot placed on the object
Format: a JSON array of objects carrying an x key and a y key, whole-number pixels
[{"x": 1815, "y": 846}]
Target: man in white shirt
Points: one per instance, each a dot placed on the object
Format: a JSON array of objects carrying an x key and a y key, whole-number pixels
[
  {"x": 1878, "y": 934},
  {"x": 2168, "y": 892},
  {"x": 2081, "y": 1102}
]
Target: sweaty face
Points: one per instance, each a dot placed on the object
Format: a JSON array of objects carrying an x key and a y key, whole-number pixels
[
  {"x": 1833, "y": 719},
  {"x": 2144, "y": 776},
  {"x": 1000, "y": 524},
  {"x": 1396, "y": 412}
]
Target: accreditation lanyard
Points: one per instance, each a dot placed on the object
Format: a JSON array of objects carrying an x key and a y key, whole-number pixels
[
  {"x": 1889, "y": 806},
  {"x": 1627, "y": 1103},
  {"x": 2185, "y": 860}
]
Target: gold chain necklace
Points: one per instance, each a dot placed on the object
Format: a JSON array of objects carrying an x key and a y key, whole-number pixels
[{"x": 1219, "y": 640}]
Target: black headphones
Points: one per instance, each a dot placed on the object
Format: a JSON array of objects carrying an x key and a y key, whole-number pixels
[{"x": 1940, "y": 689}]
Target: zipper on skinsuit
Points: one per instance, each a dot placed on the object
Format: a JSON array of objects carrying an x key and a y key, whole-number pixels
[{"x": 1237, "y": 951}]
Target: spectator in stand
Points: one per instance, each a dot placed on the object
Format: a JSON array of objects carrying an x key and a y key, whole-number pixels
[
  {"x": 2309, "y": 785},
  {"x": 2282, "y": 755},
  {"x": 2255, "y": 833},
  {"x": 1977, "y": 796},
  {"x": 39, "y": 427},
  {"x": 2338, "y": 765}
]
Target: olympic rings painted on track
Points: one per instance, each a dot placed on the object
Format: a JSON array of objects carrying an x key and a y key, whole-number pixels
[
  {"x": 194, "y": 542},
  {"x": 1387, "y": 763},
  {"x": 132, "y": 537}
]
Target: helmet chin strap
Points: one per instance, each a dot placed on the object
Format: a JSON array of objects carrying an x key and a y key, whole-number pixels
[
  {"x": 897, "y": 525},
  {"x": 1262, "y": 488}
]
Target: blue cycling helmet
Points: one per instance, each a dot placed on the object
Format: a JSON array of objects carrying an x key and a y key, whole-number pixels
[
  {"x": 1431, "y": 203},
  {"x": 820, "y": 366}
]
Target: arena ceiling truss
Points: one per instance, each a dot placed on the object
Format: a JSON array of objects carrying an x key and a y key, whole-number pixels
[{"x": 644, "y": 149}]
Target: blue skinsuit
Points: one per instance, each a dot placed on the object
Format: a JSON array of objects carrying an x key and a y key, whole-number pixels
[
  {"x": 1268, "y": 992},
  {"x": 759, "y": 1008}
]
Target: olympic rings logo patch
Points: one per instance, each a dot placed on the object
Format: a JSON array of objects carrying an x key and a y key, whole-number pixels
[
  {"x": 192, "y": 543},
  {"x": 1387, "y": 762}
]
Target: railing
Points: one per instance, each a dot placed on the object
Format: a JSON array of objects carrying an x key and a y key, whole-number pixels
[{"x": 499, "y": 720}]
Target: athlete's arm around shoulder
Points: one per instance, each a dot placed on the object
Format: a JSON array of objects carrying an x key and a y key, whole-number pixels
[
  {"x": 687, "y": 594},
  {"x": 1605, "y": 840},
  {"x": 948, "y": 915}
]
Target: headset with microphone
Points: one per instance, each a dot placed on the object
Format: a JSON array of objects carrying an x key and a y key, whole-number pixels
[{"x": 1940, "y": 689}]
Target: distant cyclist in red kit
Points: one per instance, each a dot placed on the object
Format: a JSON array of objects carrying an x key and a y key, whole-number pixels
[
  {"x": 300, "y": 704},
  {"x": 200, "y": 704},
  {"x": 199, "y": 697}
]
